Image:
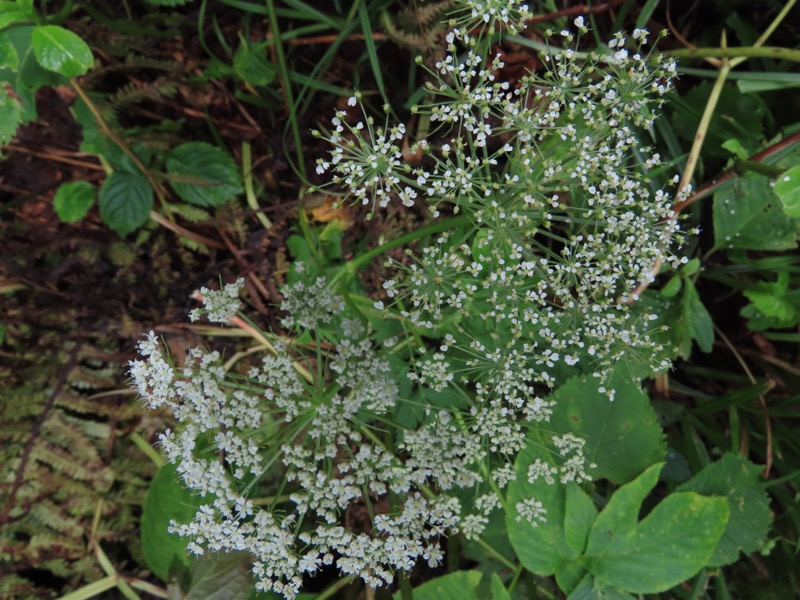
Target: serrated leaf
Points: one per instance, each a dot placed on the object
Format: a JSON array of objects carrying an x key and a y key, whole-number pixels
[
  {"x": 748, "y": 215},
  {"x": 203, "y": 174},
  {"x": 668, "y": 547},
  {"x": 61, "y": 51},
  {"x": 772, "y": 299},
  {"x": 698, "y": 322},
  {"x": 10, "y": 113},
  {"x": 737, "y": 479},
  {"x": 166, "y": 500},
  {"x": 460, "y": 585},
  {"x": 787, "y": 188},
  {"x": 126, "y": 200},
  {"x": 73, "y": 200},
  {"x": 623, "y": 436}
]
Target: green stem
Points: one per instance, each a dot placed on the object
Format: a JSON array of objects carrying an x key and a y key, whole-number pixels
[
  {"x": 406, "y": 592},
  {"x": 287, "y": 87},
  {"x": 738, "y": 52},
  {"x": 705, "y": 121},
  {"x": 247, "y": 175}
]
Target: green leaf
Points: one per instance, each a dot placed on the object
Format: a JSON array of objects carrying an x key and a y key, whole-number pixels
[
  {"x": 737, "y": 479},
  {"x": 749, "y": 216},
  {"x": 15, "y": 12},
  {"x": 698, "y": 322},
  {"x": 460, "y": 585},
  {"x": 773, "y": 300},
  {"x": 787, "y": 188},
  {"x": 673, "y": 287},
  {"x": 221, "y": 577},
  {"x": 251, "y": 64},
  {"x": 589, "y": 589},
  {"x": 9, "y": 58},
  {"x": 579, "y": 517},
  {"x": 125, "y": 201},
  {"x": 623, "y": 436},
  {"x": 499, "y": 591},
  {"x": 668, "y": 547},
  {"x": 73, "y": 200},
  {"x": 61, "y": 51},
  {"x": 10, "y": 114},
  {"x": 541, "y": 548},
  {"x": 203, "y": 174},
  {"x": 29, "y": 76},
  {"x": 167, "y": 500}
]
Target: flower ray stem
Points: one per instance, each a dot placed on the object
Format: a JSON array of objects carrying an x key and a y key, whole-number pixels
[{"x": 354, "y": 265}]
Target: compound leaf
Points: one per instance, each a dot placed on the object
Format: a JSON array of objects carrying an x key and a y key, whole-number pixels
[
  {"x": 622, "y": 436},
  {"x": 668, "y": 547},
  {"x": 737, "y": 479}
]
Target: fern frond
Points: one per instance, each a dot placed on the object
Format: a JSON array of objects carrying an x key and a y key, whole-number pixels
[
  {"x": 134, "y": 92},
  {"x": 191, "y": 213}
]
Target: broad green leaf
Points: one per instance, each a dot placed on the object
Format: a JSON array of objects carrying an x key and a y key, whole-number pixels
[
  {"x": 167, "y": 500},
  {"x": 541, "y": 547},
  {"x": 737, "y": 479},
  {"x": 73, "y": 200},
  {"x": 579, "y": 517},
  {"x": 203, "y": 174},
  {"x": 29, "y": 76},
  {"x": 221, "y": 577},
  {"x": 620, "y": 515},
  {"x": 668, "y": 547},
  {"x": 589, "y": 589},
  {"x": 460, "y": 585},
  {"x": 748, "y": 215},
  {"x": 61, "y": 51},
  {"x": 10, "y": 114},
  {"x": 499, "y": 591},
  {"x": 787, "y": 188},
  {"x": 251, "y": 64},
  {"x": 699, "y": 325},
  {"x": 125, "y": 201},
  {"x": 622, "y": 436}
]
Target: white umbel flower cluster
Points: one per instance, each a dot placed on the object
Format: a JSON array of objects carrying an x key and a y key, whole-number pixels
[{"x": 317, "y": 419}]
